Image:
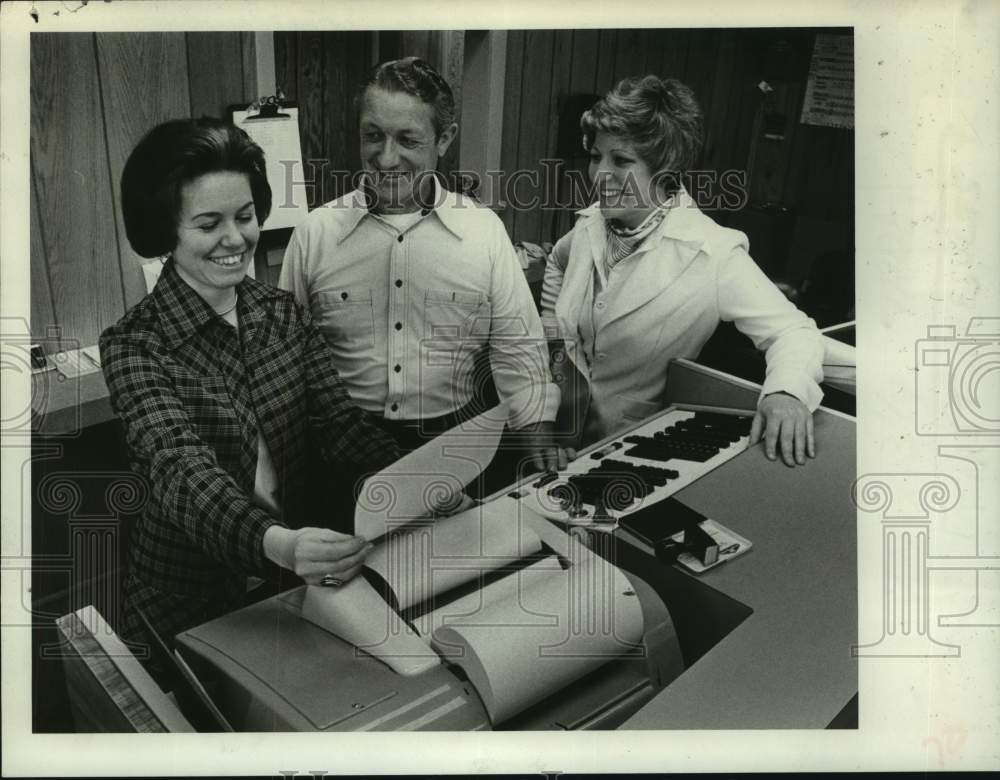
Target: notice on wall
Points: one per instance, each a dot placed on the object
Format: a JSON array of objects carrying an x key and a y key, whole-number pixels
[{"x": 829, "y": 99}]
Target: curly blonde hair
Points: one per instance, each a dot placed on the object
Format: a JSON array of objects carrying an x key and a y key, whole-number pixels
[{"x": 660, "y": 118}]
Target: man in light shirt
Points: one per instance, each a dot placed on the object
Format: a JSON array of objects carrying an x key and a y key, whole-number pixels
[{"x": 410, "y": 283}]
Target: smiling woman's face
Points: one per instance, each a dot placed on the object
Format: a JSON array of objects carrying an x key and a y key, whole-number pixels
[
  {"x": 217, "y": 233},
  {"x": 624, "y": 182}
]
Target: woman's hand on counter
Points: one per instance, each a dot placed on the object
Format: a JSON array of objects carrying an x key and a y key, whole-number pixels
[
  {"x": 784, "y": 423},
  {"x": 315, "y": 553}
]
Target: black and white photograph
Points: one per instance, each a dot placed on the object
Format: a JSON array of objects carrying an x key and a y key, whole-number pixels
[{"x": 498, "y": 369}]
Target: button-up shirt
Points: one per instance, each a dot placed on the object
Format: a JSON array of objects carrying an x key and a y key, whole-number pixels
[
  {"x": 194, "y": 395},
  {"x": 407, "y": 311}
]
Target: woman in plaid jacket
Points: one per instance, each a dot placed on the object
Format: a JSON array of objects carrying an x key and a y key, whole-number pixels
[{"x": 224, "y": 387}]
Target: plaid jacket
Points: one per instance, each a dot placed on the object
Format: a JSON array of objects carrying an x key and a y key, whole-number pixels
[{"x": 191, "y": 392}]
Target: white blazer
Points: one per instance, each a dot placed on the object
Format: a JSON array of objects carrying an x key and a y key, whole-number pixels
[{"x": 664, "y": 301}]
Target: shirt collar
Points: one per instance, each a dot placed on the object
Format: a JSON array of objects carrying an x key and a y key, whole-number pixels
[
  {"x": 183, "y": 312},
  {"x": 681, "y": 223},
  {"x": 443, "y": 203},
  {"x": 448, "y": 208},
  {"x": 684, "y": 220}
]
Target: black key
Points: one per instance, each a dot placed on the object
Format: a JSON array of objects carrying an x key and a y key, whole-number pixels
[
  {"x": 732, "y": 422},
  {"x": 663, "y": 454},
  {"x": 700, "y": 435},
  {"x": 546, "y": 478},
  {"x": 710, "y": 430}
]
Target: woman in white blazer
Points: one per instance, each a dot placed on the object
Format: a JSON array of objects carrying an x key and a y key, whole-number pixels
[{"x": 645, "y": 277}]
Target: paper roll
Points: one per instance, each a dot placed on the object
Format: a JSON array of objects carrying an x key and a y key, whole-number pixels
[
  {"x": 431, "y": 558},
  {"x": 356, "y": 613},
  {"x": 430, "y": 479},
  {"x": 527, "y": 636}
]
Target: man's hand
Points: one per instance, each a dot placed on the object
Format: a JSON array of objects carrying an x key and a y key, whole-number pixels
[
  {"x": 315, "y": 553},
  {"x": 783, "y": 418},
  {"x": 540, "y": 442}
]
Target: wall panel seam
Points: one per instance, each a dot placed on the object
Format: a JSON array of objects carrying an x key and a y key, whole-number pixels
[
  {"x": 107, "y": 156},
  {"x": 37, "y": 205}
]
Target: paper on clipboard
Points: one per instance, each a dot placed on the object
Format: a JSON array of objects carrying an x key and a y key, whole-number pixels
[
  {"x": 430, "y": 479},
  {"x": 279, "y": 138}
]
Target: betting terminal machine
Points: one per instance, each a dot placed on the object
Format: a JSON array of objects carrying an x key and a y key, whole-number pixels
[{"x": 639, "y": 588}]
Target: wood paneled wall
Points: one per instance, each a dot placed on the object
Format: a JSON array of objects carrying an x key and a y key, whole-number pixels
[
  {"x": 546, "y": 67},
  {"x": 93, "y": 96},
  {"x": 804, "y": 179},
  {"x": 445, "y": 50},
  {"x": 321, "y": 71}
]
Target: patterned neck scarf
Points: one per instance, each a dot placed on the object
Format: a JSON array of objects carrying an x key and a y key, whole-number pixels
[{"x": 623, "y": 241}]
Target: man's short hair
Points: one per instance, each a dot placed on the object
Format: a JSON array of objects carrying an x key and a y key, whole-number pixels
[
  {"x": 660, "y": 118},
  {"x": 418, "y": 78},
  {"x": 173, "y": 154}
]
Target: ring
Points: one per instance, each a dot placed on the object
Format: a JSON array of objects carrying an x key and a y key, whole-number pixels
[{"x": 330, "y": 581}]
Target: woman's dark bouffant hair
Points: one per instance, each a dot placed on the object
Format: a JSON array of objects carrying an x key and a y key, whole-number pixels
[
  {"x": 168, "y": 157},
  {"x": 415, "y": 77},
  {"x": 660, "y": 117}
]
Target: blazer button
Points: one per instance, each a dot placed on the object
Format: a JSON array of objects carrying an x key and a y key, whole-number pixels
[
  {"x": 399, "y": 326},
  {"x": 395, "y": 407},
  {"x": 400, "y": 239}
]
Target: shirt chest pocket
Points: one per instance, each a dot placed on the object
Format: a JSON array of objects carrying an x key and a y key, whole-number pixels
[
  {"x": 346, "y": 317},
  {"x": 451, "y": 315}
]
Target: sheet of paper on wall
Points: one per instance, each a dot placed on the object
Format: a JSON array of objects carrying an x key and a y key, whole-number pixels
[
  {"x": 151, "y": 273},
  {"x": 279, "y": 138},
  {"x": 431, "y": 479},
  {"x": 829, "y": 98}
]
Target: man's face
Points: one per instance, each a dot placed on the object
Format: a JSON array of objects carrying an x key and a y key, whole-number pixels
[{"x": 399, "y": 147}]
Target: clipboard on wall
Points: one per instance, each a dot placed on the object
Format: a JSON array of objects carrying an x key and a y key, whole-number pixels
[{"x": 273, "y": 124}]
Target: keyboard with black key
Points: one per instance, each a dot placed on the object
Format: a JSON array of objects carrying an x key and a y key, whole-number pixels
[{"x": 649, "y": 463}]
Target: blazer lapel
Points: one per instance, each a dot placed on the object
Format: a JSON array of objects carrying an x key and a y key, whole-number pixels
[
  {"x": 577, "y": 292},
  {"x": 663, "y": 257},
  {"x": 658, "y": 266}
]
